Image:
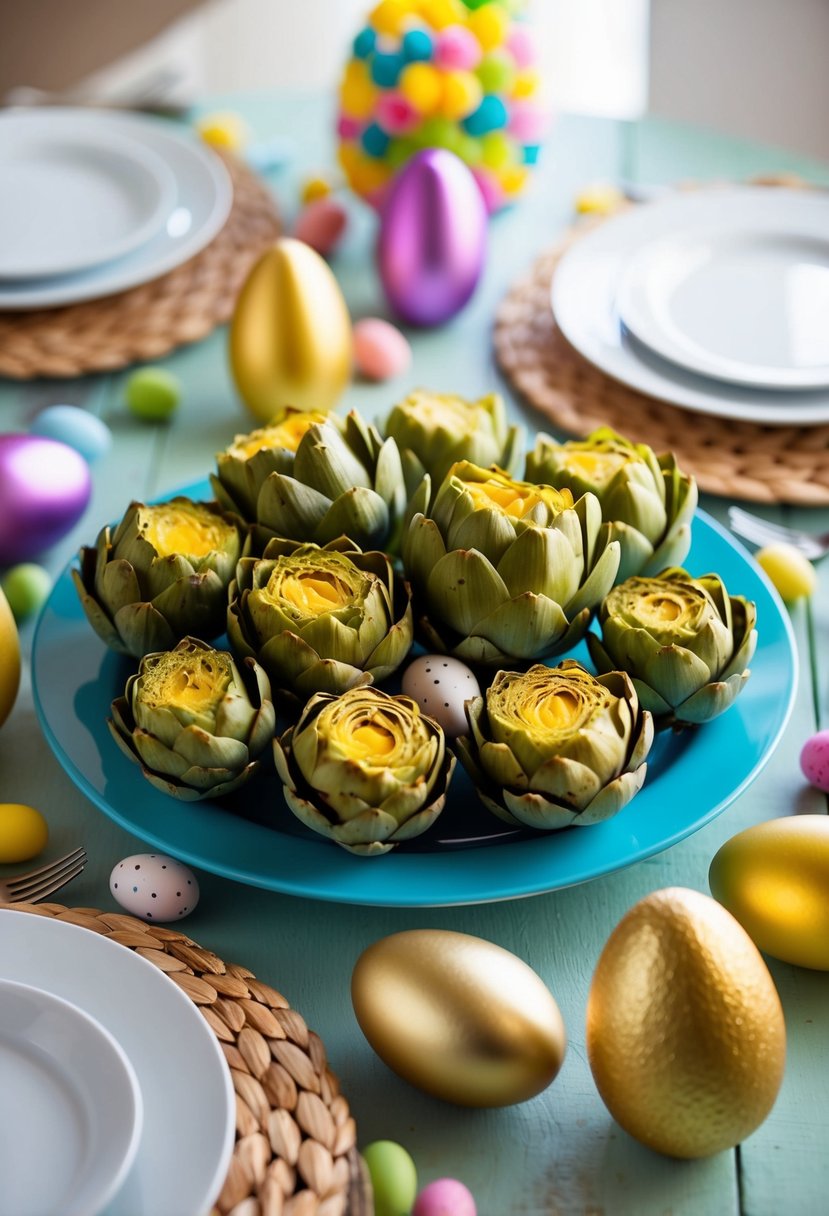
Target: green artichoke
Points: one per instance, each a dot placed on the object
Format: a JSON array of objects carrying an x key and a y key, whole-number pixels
[
  {"x": 242, "y": 468},
  {"x": 556, "y": 746},
  {"x": 503, "y": 571},
  {"x": 366, "y": 769},
  {"x": 685, "y": 643},
  {"x": 435, "y": 430},
  {"x": 161, "y": 575},
  {"x": 190, "y": 721},
  {"x": 345, "y": 481},
  {"x": 320, "y": 620},
  {"x": 647, "y": 501}
]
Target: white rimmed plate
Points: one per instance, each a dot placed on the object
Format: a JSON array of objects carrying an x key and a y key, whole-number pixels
[
  {"x": 74, "y": 199},
  {"x": 71, "y": 1109},
  {"x": 189, "y": 1106},
  {"x": 204, "y": 197},
  {"x": 584, "y": 301}
]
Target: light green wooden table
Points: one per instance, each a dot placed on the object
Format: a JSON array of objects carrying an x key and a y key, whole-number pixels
[{"x": 561, "y": 1152}]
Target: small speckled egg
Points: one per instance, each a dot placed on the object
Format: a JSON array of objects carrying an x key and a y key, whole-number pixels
[
  {"x": 792, "y": 574},
  {"x": 26, "y": 587},
  {"x": 153, "y": 394},
  {"x": 380, "y": 350},
  {"x": 445, "y": 1197},
  {"x": 321, "y": 224},
  {"x": 393, "y": 1178},
  {"x": 814, "y": 760},
  {"x": 154, "y": 887},
  {"x": 441, "y": 685},
  {"x": 76, "y": 428},
  {"x": 23, "y": 832}
]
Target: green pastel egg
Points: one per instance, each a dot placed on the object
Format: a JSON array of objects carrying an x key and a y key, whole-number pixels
[
  {"x": 26, "y": 587},
  {"x": 393, "y": 1178},
  {"x": 153, "y": 394}
]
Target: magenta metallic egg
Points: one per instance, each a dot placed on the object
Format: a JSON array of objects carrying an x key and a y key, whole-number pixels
[
  {"x": 44, "y": 490},
  {"x": 432, "y": 242}
]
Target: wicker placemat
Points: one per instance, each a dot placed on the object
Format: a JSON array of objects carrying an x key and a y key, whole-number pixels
[
  {"x": 151, "y": 320},
  {"x": 295, "y": 1151},
  {"x": 735, "y": 459}
]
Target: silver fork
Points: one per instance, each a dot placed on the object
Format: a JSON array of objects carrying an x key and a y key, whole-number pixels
[
  {"x": 36, "y": 885},
  {"x": 813, "y": 545}
]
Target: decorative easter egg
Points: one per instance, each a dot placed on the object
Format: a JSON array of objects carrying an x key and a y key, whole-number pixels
[
  {"x": 774, "y": 878},
  {"x": 432, "y": 242},
  {"x": 321, "y": 224},
  {"x": 225, "y": 129},
  {"x": 9, "y": 659},
  {"x": 459, "y": 1017},
  {"x": 153, "y": 394},
  {"x": 44, "y": 490},
  {"x": 26, "y": 587},
  {"x": 75, "y": 427},
  {"x": 393, "y": 1178},
  {"x": 792, "y": 574},
  {"x": 154, "y": 887},
  {"x": 441, "y": 686},
  {"x": 290, "y": 338},
  {"x": 814, "y": 760},
  {"x": 23, "y": 832},
  {"x": 441, "y": 74},
  {"x": 685, "y": 1033},
  {"x": 380, "y": 350},
  {"x": 445, "y": 1197}
]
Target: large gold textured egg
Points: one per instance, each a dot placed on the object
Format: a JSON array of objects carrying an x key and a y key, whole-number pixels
[
  {"x": 459, "y": 1017},
  {"x": 774, "y": 878},
  {"x": 685, "y": 1033},
  {"x": 290, "y": 337}
]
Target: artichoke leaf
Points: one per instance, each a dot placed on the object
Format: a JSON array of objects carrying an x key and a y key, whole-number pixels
[
  {"x": 464, "y": 588},
  {"x": 288, "y": 508},
  {"x": 526, "y": 627},
  {"x": 609, "y": 801},
  {"x": 536, "y": 811},
  {"x": 360, "y": 514},
  {"x": 712, "y": 700},
  {"x": 143, "y": 629}
]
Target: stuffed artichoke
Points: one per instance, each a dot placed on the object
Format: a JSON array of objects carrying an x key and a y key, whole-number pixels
[
  {"x": 685, "y": 643},
  {"x": 556, "y": 746},
  {"x": 191, "y": 722},
  {"x": 366, "y": 769},
  {"x": 320, "y": 619},
  {"x": 504, "y": 571},
  {"x": 647, "y": 501},
  {"x": 161, "y": 575}
]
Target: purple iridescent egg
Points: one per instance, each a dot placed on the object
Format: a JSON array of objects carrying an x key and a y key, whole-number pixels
[
  {"x": 432, "y": 242},
  {"x": 44, "y": 489}
]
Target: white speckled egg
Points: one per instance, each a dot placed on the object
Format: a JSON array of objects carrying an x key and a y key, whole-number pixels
[
  {"x": 440, "y": 685},
  {"x": 154, "y": 887}
]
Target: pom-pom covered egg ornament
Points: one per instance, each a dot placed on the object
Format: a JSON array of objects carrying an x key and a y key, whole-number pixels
[
  {"x": 44, "y": 490},
  {"x": 453, "y": 74}
]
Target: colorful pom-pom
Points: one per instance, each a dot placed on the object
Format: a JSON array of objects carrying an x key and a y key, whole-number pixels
[
  {"x": 457, "y": 48},
  {"x": 364, "y": 43},
  {"x": 489, "y": 24},
  {"x": 358, "y": 94},
  {"x": 417, "y": 45},
  {"x": 375, "y": 141},
  {"x": 386, "y": 69},
  {"x": 420, "y": 84},
  {"x": 490, "y": 115},
  {"x": 396, "y": 114},
  {"x": 462, "y": 94}
]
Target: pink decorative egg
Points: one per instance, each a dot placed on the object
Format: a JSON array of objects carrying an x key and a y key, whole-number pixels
[
  {"x": 321, "y": 224},
  {"x": 44, "y": 490},
  {"x": 445, "y": 1197},
  {"x": 380, "y": 350},
  {"x": 814, "y": 760}
]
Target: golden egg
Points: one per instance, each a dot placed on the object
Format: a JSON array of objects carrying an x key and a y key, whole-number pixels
[
  {"x": 9, "y": 659},
  {"x": 290, "y": 337},
  {"x": 774, "y": 878},
  {"x": 685, "y": 1033},
  {"x": 459, "y": 1017}
]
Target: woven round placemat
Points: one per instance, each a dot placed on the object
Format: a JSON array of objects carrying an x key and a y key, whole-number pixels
[
  {"x": 151, "y": 320},
  {"x": 295, "y": 1151},
  {"x": 735, "y": 459}
]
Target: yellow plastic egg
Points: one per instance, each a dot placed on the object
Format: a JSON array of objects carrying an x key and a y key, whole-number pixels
[
  {"x": 685, "y": 1032},
  {"x": 9, "y": 659},
  {"x": 459, "y": 1017},
  {"x": 792, "y": 574},
  {"x": 774, "y": 877},
  {"x": 290, "y": 338},
  {"x": 23, "y": 832}
]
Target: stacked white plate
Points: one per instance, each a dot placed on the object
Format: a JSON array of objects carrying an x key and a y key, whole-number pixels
[
  {"x": 716, "y": 301},
  {"x": 94, "y": 202},
  {"x": 115, "y": 1096}
]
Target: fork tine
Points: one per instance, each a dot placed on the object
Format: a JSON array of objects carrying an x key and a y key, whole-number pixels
[
  {"x": 48, "y": 885},
  {"x": 742, "y": 521},
  {"x": 49, "y": 868}
]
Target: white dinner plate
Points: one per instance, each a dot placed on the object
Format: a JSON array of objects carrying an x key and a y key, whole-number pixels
[
  {"x": 584, "y": 301},
  {"x": 189, "y": 1105},
  {"x": 70, "y": 1107},
  {"x": 204, "y": 196},
  {"x": 734, "y": 290},
  {"x": 74, "y": 199}
]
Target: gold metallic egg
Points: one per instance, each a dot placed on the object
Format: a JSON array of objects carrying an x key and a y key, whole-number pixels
[
  {"x": 290, "y": 337},
  {"x": 685, "y": 1033},
  {"x": 774, "y": 877},
  {"x": 459, "y": 1017}
]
